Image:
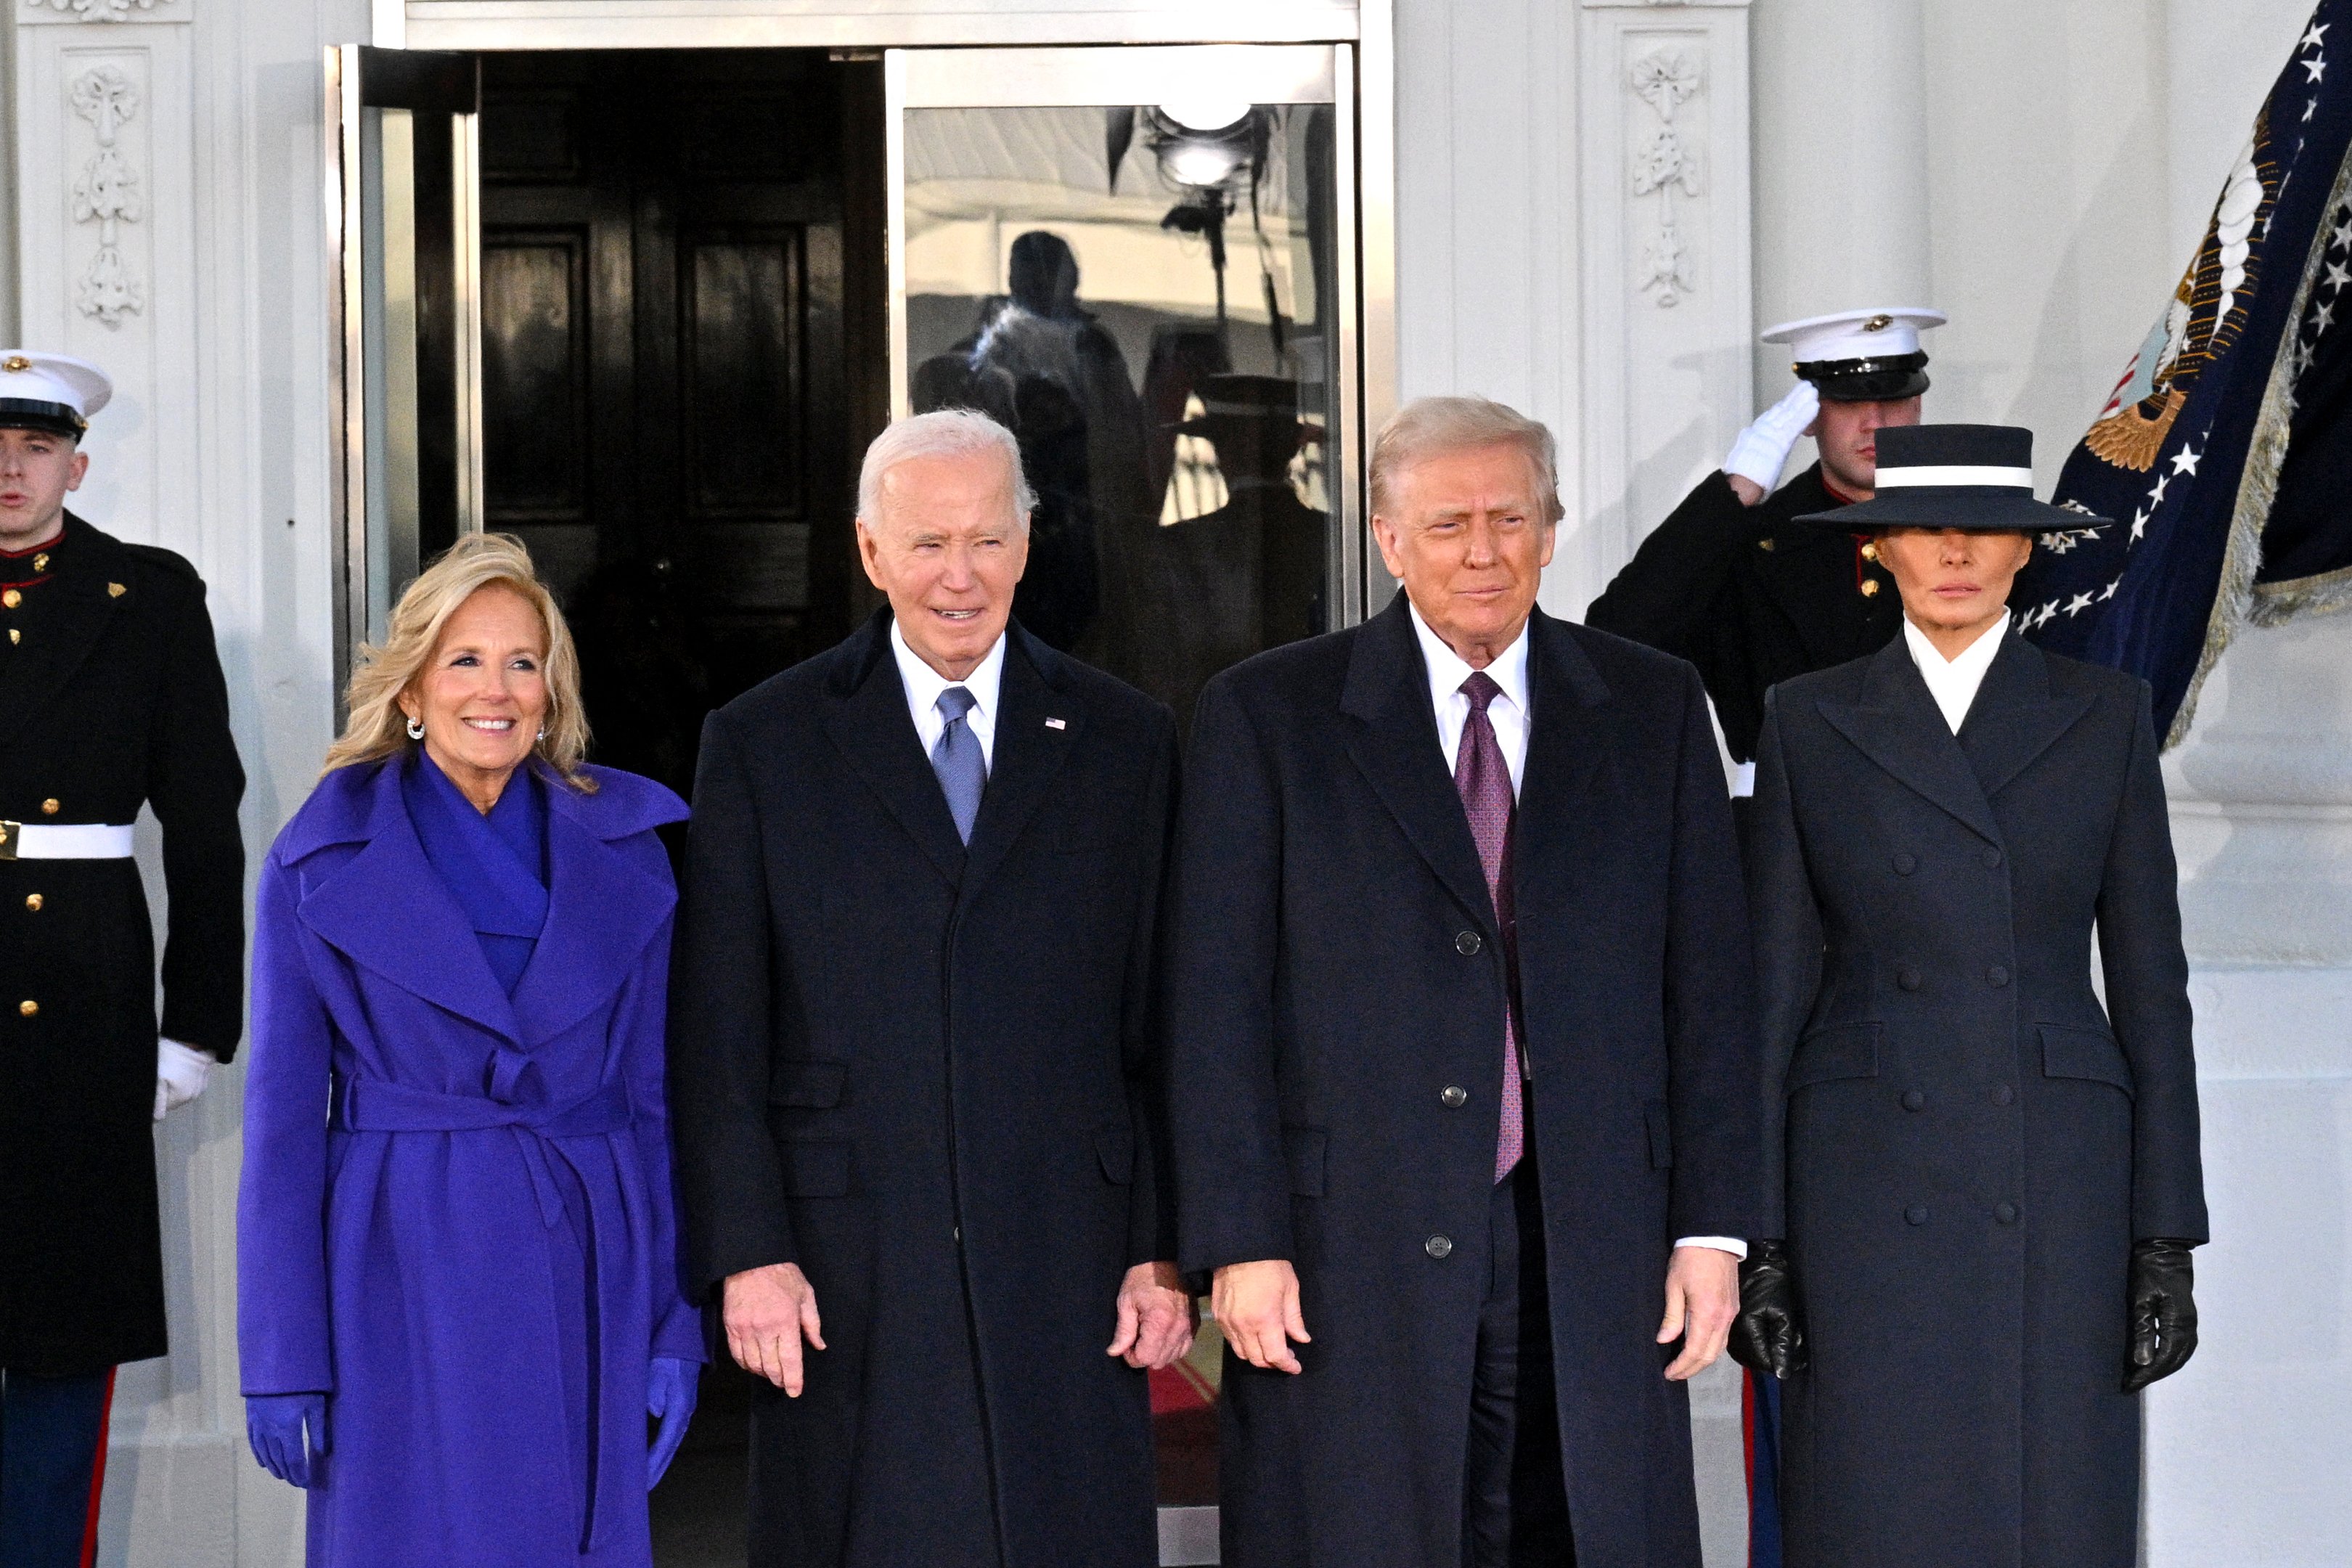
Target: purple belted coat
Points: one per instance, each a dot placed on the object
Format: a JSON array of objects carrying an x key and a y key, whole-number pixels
[{"x": 455, "y": 1216}]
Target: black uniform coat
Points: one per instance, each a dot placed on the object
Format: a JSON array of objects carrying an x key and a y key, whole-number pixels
[
  {"x": 111, "y": 698},
  {"x": 924, "y": 1074},
  {"x": 1748, "y": 599},
  {"x": 1336, "y": 968},
  {"x": 1972, "y": 1143}
]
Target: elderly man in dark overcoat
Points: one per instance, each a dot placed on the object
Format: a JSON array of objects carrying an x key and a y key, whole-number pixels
[
  {"x": 111, "y": 699},
  {"x": 1988, "y": 1181},
  {"x": 1463, "y": 1062},
  {"x": 915, "y": 1090}
]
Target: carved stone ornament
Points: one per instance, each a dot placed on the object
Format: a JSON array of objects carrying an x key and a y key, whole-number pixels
[
  {"x": 106, "y": 193},
  {"x": 96, "y": 10},
  {"x": 1663, "y": 166}
]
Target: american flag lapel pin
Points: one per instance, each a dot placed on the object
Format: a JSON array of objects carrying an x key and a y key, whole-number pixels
[{"x": 1056, "y": 724}]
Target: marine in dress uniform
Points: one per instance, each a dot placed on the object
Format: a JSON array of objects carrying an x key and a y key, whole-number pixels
[
  {"x": 111, "y": 698},
  {"x": 1727, "y": 583},
  {"x": 1985, "y": 1170}
]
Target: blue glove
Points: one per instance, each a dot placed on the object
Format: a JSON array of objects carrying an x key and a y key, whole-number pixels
[
  {"x": 273, "y": 1426},
  {"x": 670, "y": 1391}
]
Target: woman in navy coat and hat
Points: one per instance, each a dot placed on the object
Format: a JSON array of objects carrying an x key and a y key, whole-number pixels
[
  {"x": 458, "y": 1283},
  {"x": 1984, "y": 1185}
]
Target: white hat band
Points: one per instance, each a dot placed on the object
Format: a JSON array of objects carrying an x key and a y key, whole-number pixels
[{"x": 1955, "y": 474}]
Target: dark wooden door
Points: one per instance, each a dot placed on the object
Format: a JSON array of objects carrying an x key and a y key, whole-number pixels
[{"x": 668, "y": 311}]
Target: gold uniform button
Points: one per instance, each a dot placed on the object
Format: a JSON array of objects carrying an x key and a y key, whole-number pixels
[
  {"x": 33, "y": 902},
  {"x": 12, "y": 599},
  {"x": 15, "y": 636},
  {"x": 116, "y": 589},
  {"x": 28, "y": 1008},
  {"x": 1870, "y": 587},
  {"x": 48, "y": 808},
  {"x": 1870, "y": 551}
]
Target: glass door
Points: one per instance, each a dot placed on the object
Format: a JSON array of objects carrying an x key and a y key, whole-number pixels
[
  {"x": 402, "y": 224},
  {"x": 1142, "y": 261}
]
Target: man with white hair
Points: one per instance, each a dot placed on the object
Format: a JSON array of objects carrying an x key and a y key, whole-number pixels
[
  {"x": 1462, "y": 1070},
  {"x": 915, "y": 1087}
]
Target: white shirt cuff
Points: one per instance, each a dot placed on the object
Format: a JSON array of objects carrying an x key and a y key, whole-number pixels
[{"x": 1731, "y": 1244}]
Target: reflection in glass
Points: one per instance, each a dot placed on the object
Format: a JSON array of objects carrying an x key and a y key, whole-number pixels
[{"x": 1143, "y": 295}]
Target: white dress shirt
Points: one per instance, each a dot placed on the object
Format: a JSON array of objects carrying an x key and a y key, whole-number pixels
[
  {"x": 924, "y": 685},
  {"x": 1953, "y": 682},
  {"x": 1510, "y": 714}
]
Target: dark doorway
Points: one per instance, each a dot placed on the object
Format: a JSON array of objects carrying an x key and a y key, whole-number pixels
[{"x": 683, "y": 353}]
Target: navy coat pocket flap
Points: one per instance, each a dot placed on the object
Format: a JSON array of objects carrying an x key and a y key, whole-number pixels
[
  {"x": 2084, "y": 1053},
  {"x": 1115, "y": 1147},
  {"x": 1843, "y": 1050},
  {"x": 815, "y": 1169},
  {"x": 1303, "y": 1150},
  {"x": 1661, "y": 1122},
  {"x": 815, "y": 1085}
]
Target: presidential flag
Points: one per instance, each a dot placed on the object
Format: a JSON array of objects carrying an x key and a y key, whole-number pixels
[{"x": 2224, "y": 456}]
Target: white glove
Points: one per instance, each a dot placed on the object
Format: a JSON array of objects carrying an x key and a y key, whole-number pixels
[
  {"x": 180, "y": 1074},
  {"x": 1763, "y": 448}
]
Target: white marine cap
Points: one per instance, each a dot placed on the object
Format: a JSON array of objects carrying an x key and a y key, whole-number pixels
[
  {"x": 50, "y": 392},
  {"x": 1861, "y": 355}
]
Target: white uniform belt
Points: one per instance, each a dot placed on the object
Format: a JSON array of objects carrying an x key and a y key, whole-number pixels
[{"x": 64, "y": 841}]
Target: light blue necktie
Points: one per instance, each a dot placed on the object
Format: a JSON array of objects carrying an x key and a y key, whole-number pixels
[{"x": 963, "y": 772}]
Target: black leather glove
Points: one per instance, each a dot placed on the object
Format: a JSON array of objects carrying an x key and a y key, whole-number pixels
[
  {"x": 1765, "y": 1336},
  {"x": 2163, "y": 1313}
]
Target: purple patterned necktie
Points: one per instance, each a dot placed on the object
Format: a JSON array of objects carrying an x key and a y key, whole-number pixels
[{"x": 1485, "y": 789}]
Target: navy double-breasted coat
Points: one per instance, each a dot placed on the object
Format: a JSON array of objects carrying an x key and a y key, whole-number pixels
[
  {"x": 925, "y": 1073},
  {"x": 1963, "y": 1142},
  {"x": 1336, "y": 969}
]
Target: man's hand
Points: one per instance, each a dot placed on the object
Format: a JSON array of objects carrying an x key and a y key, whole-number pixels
[
  {"x": 1256, "y": 1305},
  {"x": 1702, "y": 1298},
  {"x": 1762, "y": 450},
  {"x": 766, "y": 1311},
  {"x": 1156, "y": 1317}
]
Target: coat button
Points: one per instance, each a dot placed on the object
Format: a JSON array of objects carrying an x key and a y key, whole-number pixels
[
  {"x": 1870, "y": 587},
  {"x": 2003, "y": 1095},
  {"x": 1468, "y": 944},
  {"x": 2005, "y": 1213},
  {"x": 1917, "y": 1214},
  {"x": 48, "y": 808},
  {"x": 1992, "y": 857},
  {"x": 1997, "y": 976},
  {"x": 28, "y": 1008},
  {"x": 33, "y": 902},
  {"x": 1914, "y": 1101},
  {"x": 1908, "y": 978},
  {"x": 1905, "y": 864},
  {"x": 1453, "y": 1096},
  {"x": 1438, "y": 1247},
  {"x": 11, "y": 598}
]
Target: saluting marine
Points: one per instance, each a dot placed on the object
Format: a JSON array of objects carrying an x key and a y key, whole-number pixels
[
  {"x": 1727, "y": 583},
  {"x": 111, "y": 698}
]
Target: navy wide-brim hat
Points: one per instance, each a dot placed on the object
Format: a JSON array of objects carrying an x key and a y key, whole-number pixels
[{"x": 1974, "y": 477}]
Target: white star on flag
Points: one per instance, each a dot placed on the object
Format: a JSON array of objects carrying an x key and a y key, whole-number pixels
[
  {"x": 2140, "y": 526},
  {"x": 2156, "y": 496},
  {"x": 2340, "y": 236},
  {"x": 2185, "y": 461},
  {"x": 2111, "y": 589},
  {"x": 2317, "y": 68},
  {"x": 2338, "y": 275},
  {"x": 2078, "y": 603},
  {"x": 2316, "y": 38}
]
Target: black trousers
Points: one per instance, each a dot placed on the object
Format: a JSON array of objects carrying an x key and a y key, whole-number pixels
[
  {"x": 1515, "y": 1501},
  {"x": 52, "y": 1435}
]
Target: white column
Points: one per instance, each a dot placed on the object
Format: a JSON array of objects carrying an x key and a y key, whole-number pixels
[{"x": 1841, "y": 163}]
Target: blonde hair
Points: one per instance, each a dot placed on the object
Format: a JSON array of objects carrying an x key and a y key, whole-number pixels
[
  {"x": 378, "y": 729},
  {"x": 1430, "y": 427}
]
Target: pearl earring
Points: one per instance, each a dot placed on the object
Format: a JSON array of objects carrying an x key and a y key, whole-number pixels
[
  {"x": 543, "y": 731},
  {"x": 416, "y": 728}
]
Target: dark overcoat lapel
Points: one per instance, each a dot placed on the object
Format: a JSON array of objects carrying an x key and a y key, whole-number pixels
[
  {"x": 1896, "y": 724},
  {"x": 1025, "y": 759},
  {"x": 874, "y": 730},
  {"x": 1394, "y": 741},
  {"x": 2015, "y": 719}
]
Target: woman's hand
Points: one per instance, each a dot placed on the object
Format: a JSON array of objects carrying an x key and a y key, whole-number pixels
[
  {"x": 274, "y": 1426},
  {"x": 671, "y": 1386}
]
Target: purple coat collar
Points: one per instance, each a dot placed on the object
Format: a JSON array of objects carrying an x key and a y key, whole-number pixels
[{"x": 385, "y": 909}]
